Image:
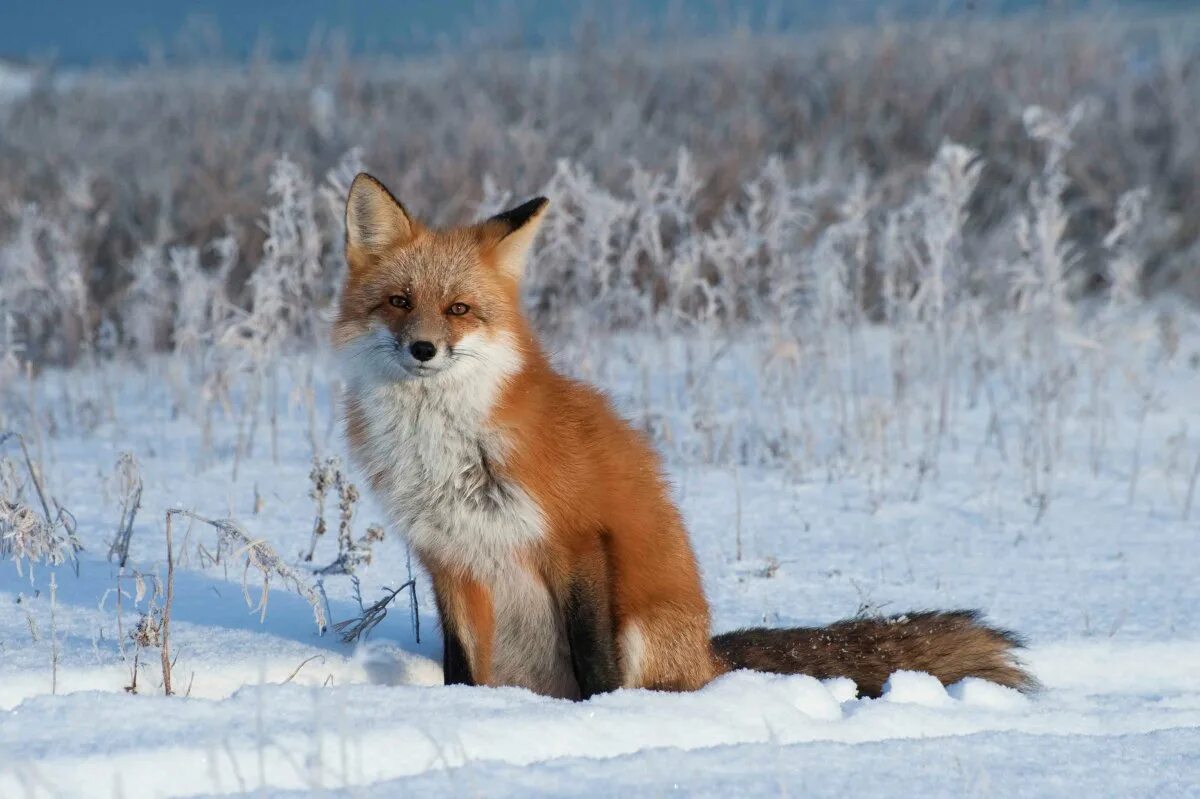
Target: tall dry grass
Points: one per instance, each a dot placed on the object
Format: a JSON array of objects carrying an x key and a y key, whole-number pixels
[{"x": 106, "y": 176}]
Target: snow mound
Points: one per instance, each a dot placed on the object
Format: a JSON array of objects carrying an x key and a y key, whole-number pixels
[
  {"x": 915, "y": 688},
  {"x": 842, "y": 688},
  {"x": 983, "y": 694}
]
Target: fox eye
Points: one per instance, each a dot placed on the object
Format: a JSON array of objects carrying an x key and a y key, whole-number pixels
[
  {"x": 400, "y": 301},
  {"x": 459, "y": 308}
]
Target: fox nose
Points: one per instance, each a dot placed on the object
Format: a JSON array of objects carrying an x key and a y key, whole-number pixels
[{"x": 422, "y": 350}]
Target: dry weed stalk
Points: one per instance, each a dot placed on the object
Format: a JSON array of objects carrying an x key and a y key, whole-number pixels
[
  {"x": 25, "y": 535},
  {"x": 351, "y": 553},
  {"x": 147, "y": 633},
  {"x": 259, "y": 555},
  {"x": 322, "y": 477},
  {"x": 1191, "y": 489},
  {"x": 361, "y": 626},
  {"x": 53, "y": 634},
  {"x": 166, "y": 613},
  {"x": 128, "y": 479}
]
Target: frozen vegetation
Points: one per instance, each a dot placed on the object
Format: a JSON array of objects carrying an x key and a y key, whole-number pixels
[{"x": 906, "y": 339}]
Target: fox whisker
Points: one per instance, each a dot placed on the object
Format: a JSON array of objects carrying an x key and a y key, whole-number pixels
[{"x": 467, "y": 354}]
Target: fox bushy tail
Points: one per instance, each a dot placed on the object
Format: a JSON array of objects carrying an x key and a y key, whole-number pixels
[{"x": 950, "y": 645}]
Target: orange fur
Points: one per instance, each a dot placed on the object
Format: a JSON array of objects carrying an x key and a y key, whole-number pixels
[
  {"x": 594, "y": 476},
  {"x": 469, "y": 605}
]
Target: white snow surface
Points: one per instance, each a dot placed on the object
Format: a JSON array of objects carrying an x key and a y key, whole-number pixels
[{"x": 1105, "y": 590}]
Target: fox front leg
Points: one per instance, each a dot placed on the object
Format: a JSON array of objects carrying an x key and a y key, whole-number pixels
[
  {"x": 456, "y": 669},
  {"x": 465, "y": 611},
  {"x": 589, "y": 624}
]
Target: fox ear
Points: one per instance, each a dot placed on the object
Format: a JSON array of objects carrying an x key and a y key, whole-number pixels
[
  {"x": 513, "y": 233},
  {"x": 375, "y": 221}
]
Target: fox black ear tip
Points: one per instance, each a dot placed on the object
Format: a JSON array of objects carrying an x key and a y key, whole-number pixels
[{"x": 532, "y": 206}]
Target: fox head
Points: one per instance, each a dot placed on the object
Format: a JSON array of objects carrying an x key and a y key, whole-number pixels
[{"x": 420, "y": 303}]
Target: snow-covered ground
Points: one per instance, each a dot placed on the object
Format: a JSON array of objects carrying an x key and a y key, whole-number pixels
[{"x": 1102, "y": 580}]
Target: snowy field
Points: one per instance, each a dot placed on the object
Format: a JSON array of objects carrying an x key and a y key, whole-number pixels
[
  {"x": 1102, "y": 581},
  {"x": 903, "y": 308}
]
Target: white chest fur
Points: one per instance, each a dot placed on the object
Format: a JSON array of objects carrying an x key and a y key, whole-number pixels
[
  {"x": 441, "y": 483},
  {"x": 442, "y": 486}
]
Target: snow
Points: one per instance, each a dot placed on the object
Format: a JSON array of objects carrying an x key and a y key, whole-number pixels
[
  {"x": 1103, "y": 587},
  {"x": 983, "y": 694},
  {"x": 303, "y": 736},
  {"x": 915, "y": 688}
]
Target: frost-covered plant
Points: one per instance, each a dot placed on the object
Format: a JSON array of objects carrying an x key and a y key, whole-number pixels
[
  {"x": 27, "y": 536},
  {"x": 146, "y": 316},
  {"x": 199, "y": 306},
  {"x": 942, "y": 279},
  {"x": 839, "y": 260},
  {"x": 332, "y": 207},
  {"x": 327, "y": 476},
  {"x": 582, "y": 239},
  {"x": 294, "y": 278},
  {"x": 198, "y": 373},
  {"x": 1111, "y": 327},
  {"x": 12, "y": 349},
  {"x": 736, "y": 105},
  {"x": 147, "y": 633},
  {"x": 151, "y": 629},
  {"x": 352, "y": 552},
  {"x": 1125, "y": 262},
  {"x": 323, "y": 475},
  {"x": 43, "y": 287},
  {"x": 289, "y": 280},
  {"x": 371, "y": 615},
  {"x": 1041, "y": 284},
  {"x": 288, "y": 284},
  {"x": 930, "y": 300},
  {"x": 1042, "y": 288},
  {"x": 127, "y": 481},
  {"x": 779, "y": 211},
  {"x": 233, "y": 542},
  {"x": 821, "y": 305}
]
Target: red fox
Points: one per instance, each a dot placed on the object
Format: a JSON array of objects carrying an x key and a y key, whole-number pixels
[{"x": 559, "y": 562}]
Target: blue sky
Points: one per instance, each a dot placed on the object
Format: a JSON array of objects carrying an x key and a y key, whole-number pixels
[{"x": 124, "y": 31}]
